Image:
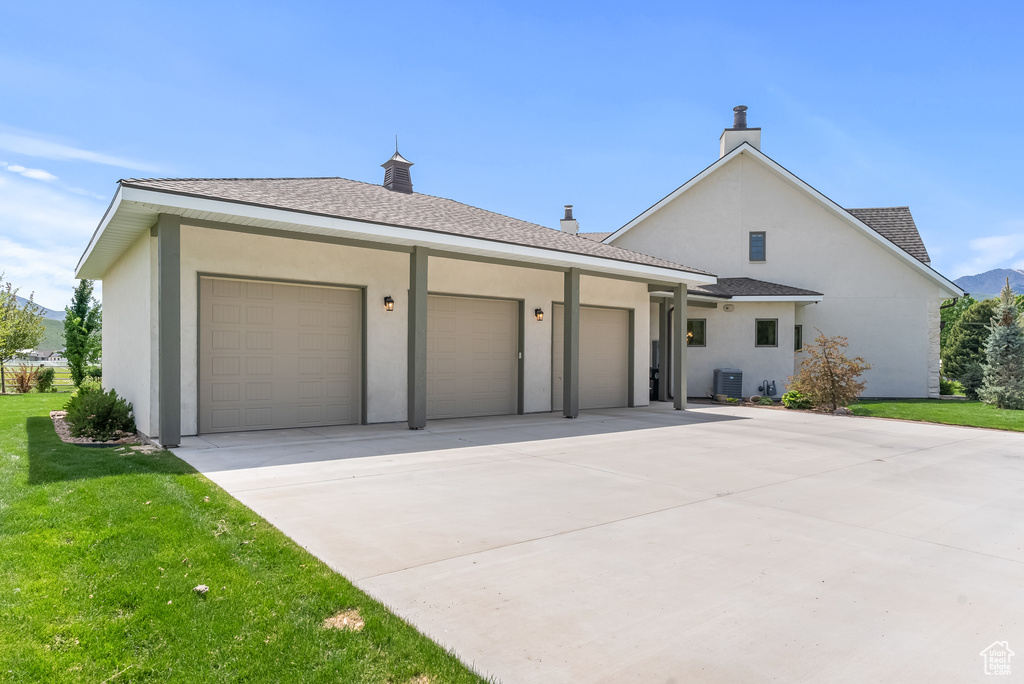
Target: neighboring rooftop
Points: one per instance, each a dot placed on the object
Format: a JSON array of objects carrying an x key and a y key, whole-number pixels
[
  {"x": 348, "y": 199},
  {"x": 749, "y": 287},
  {"x": 897, "y": 226}
]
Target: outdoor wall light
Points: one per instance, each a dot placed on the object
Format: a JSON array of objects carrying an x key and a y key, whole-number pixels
[
  {"x": 538, "y": 314},
  {"x": 389, "y": 303}
]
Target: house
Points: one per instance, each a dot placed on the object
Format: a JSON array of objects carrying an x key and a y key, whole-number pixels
[
  {"x": 791, "y": 262},
  {"x": 243, "y": 304}
]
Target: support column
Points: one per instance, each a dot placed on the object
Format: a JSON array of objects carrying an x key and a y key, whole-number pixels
[
  {"x": 417, "y": 385},
  {"x": 663, "y": 349},
  {"x": 679, "y": 348},
  {"x": 168, "y": 246},
  {"x": 571, "y": 345}
]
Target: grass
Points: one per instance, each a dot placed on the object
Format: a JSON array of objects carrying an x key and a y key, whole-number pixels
[
  {"x": 969, "y": 413},
  {"x": 100, "y": 550}
]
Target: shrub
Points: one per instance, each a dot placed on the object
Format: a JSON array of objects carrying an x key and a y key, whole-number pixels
[
  {"x": 972, "y": 378},
  {"x": 766, "y": 401},
  {"x": 94, "y": 372},
  {"x": 733, "y": 400},
  {"x": 99, "y": 415},
  {"x": 25, "y": 378},
  {"x": 91, "y": 384},
  {"x": 44, "y": 379},
  {"x": 827, "y": 376},
  {"x": 950, "y": 387},
  {"x": 796, "y": 400}
]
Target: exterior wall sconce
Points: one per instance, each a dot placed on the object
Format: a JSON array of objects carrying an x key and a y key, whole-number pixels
[
  {"x": 389, "y": 303},
  {"x": 538, "y": 314}
]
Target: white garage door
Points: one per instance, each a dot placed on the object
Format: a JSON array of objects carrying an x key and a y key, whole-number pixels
[
  {"x": 604, "y": 357},
  {"x": 274, "y": 355},
  {"x": 472, "y": 357}
]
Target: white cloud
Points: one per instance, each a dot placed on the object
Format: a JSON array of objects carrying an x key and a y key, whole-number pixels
[
  {"x": 36, "y": 174},
  {"x": 36, "y": 147},
  {"x": 995, "y": 251},
  {"x": 47, "y": 271}
]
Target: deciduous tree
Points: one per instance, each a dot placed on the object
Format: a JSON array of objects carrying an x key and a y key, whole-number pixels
[
  {"x": 21, "y": 327},
  {"x": 827, "y": 375}
]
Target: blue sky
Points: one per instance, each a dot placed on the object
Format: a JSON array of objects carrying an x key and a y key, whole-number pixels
[{"x": 518, "y": 108}]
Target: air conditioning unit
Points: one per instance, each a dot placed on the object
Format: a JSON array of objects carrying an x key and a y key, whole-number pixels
[{"x": 729, "y": 381}]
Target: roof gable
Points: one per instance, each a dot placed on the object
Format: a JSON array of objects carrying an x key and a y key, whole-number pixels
[{"x": 896, "y": 229}]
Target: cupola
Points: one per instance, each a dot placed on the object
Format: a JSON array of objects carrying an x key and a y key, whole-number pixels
[{"x": 396, "y": 173}]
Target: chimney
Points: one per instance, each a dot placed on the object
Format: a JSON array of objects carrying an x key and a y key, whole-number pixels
[
  {"x": 396, "y": 173},
  {"x": 568, "y": 223},
  {"x": 739, "y": 133}
]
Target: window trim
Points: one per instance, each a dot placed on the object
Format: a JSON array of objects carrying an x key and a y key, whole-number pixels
[
  {"x": 689, "y": 340},
  {"x": 766, "y": 320},
  {"x": 764, "y": 246},
  {"x": 798, "y": 337}
]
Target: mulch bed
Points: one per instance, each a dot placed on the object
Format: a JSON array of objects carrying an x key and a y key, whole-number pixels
[{"x": 64, "y": 432}]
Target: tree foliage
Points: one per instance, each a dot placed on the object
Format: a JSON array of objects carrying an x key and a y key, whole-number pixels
[
  {"x": 1004, "y": 351},
  {"x": 950, "y": 313},
  {"x": 965, "y": 341},
  {"x": 82, "y": 322},
  {"x": 21, "y": 327},
  {"x": 827, "y": 376}
]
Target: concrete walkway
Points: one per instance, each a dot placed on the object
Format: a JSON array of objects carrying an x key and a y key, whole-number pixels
[{"x": 720, "y": 544}]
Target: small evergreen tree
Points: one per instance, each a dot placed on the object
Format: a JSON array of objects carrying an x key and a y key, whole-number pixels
[
  {"x": 827, "y": 376},
  {"x": 21, "y": 327},
  {"x": 1004, "y": 350},
  {"x": 82, "y": 321}
]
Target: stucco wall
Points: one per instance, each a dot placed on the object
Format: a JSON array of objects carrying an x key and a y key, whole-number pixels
[
  {"x": 128, "y": 337},
  {"x": 730, "y": 344},
  {"x": 216, "y": 252},
  {"x": 870, "y": 296}
]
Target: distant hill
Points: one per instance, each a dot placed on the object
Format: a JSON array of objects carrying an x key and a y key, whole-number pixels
[
  {"x": 47, "y": 313},
  {"x": 54, "y": 337},
  {"x": 988, "y": 284}
]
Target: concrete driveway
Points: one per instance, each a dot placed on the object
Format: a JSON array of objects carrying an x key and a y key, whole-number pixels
[{"x": 648, "y": 545}]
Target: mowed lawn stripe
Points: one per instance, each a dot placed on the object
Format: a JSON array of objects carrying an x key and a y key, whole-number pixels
[{"x": 100, "y": 550}]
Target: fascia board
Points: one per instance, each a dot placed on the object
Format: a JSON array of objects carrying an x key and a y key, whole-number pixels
[
  {"x": 158, "y": 202},
  {"x": 777, "y": 298},
  {"x": 107, "y": 216}
]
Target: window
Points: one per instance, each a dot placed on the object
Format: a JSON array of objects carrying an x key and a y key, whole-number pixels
[
  {"x": 798, "y": 337},
  {"x": 766, "y": 332},
  {"x": 757, "y": 246},
  {"x": 696, "y": 332}
]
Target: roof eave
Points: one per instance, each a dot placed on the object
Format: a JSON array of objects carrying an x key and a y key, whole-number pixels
[{"x": 154, "y": 202}]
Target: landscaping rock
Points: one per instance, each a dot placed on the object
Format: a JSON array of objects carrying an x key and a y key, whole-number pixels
[{"x": 842, "y": 411}]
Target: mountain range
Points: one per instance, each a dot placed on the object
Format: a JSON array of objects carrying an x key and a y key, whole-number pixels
[
  {"x": 47, "y": 313},
  {"x": 990, "y": 283}
]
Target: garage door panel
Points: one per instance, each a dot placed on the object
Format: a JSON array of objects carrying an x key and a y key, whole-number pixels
[
  {"x": 472, "y": 363},
  {"x": 279, "y": 357},
  {"x": 604, "y": 357}
]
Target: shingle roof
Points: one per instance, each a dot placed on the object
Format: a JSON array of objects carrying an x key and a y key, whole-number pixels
[
  {"x": 596, "y": 237},
  {"x": 749, "y": 287},
  {"x": 343, "y": 198},
  {"x": 897, "y": 226}
]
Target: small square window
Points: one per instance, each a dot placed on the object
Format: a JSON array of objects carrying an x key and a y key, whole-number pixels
[
  {"x": 696, "y": 332},
  {"x": 766, "y": 332},
  {"x": 757, "y": 246},
  {"x": 798, "y": 338}
]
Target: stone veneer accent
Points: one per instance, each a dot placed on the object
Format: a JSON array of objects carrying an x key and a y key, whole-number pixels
[{"x": 934, "y": 370}]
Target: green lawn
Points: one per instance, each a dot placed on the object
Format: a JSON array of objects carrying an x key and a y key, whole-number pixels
[
  {"x": 100, "y": 550},
  {"x": 971, "y": 413}
]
